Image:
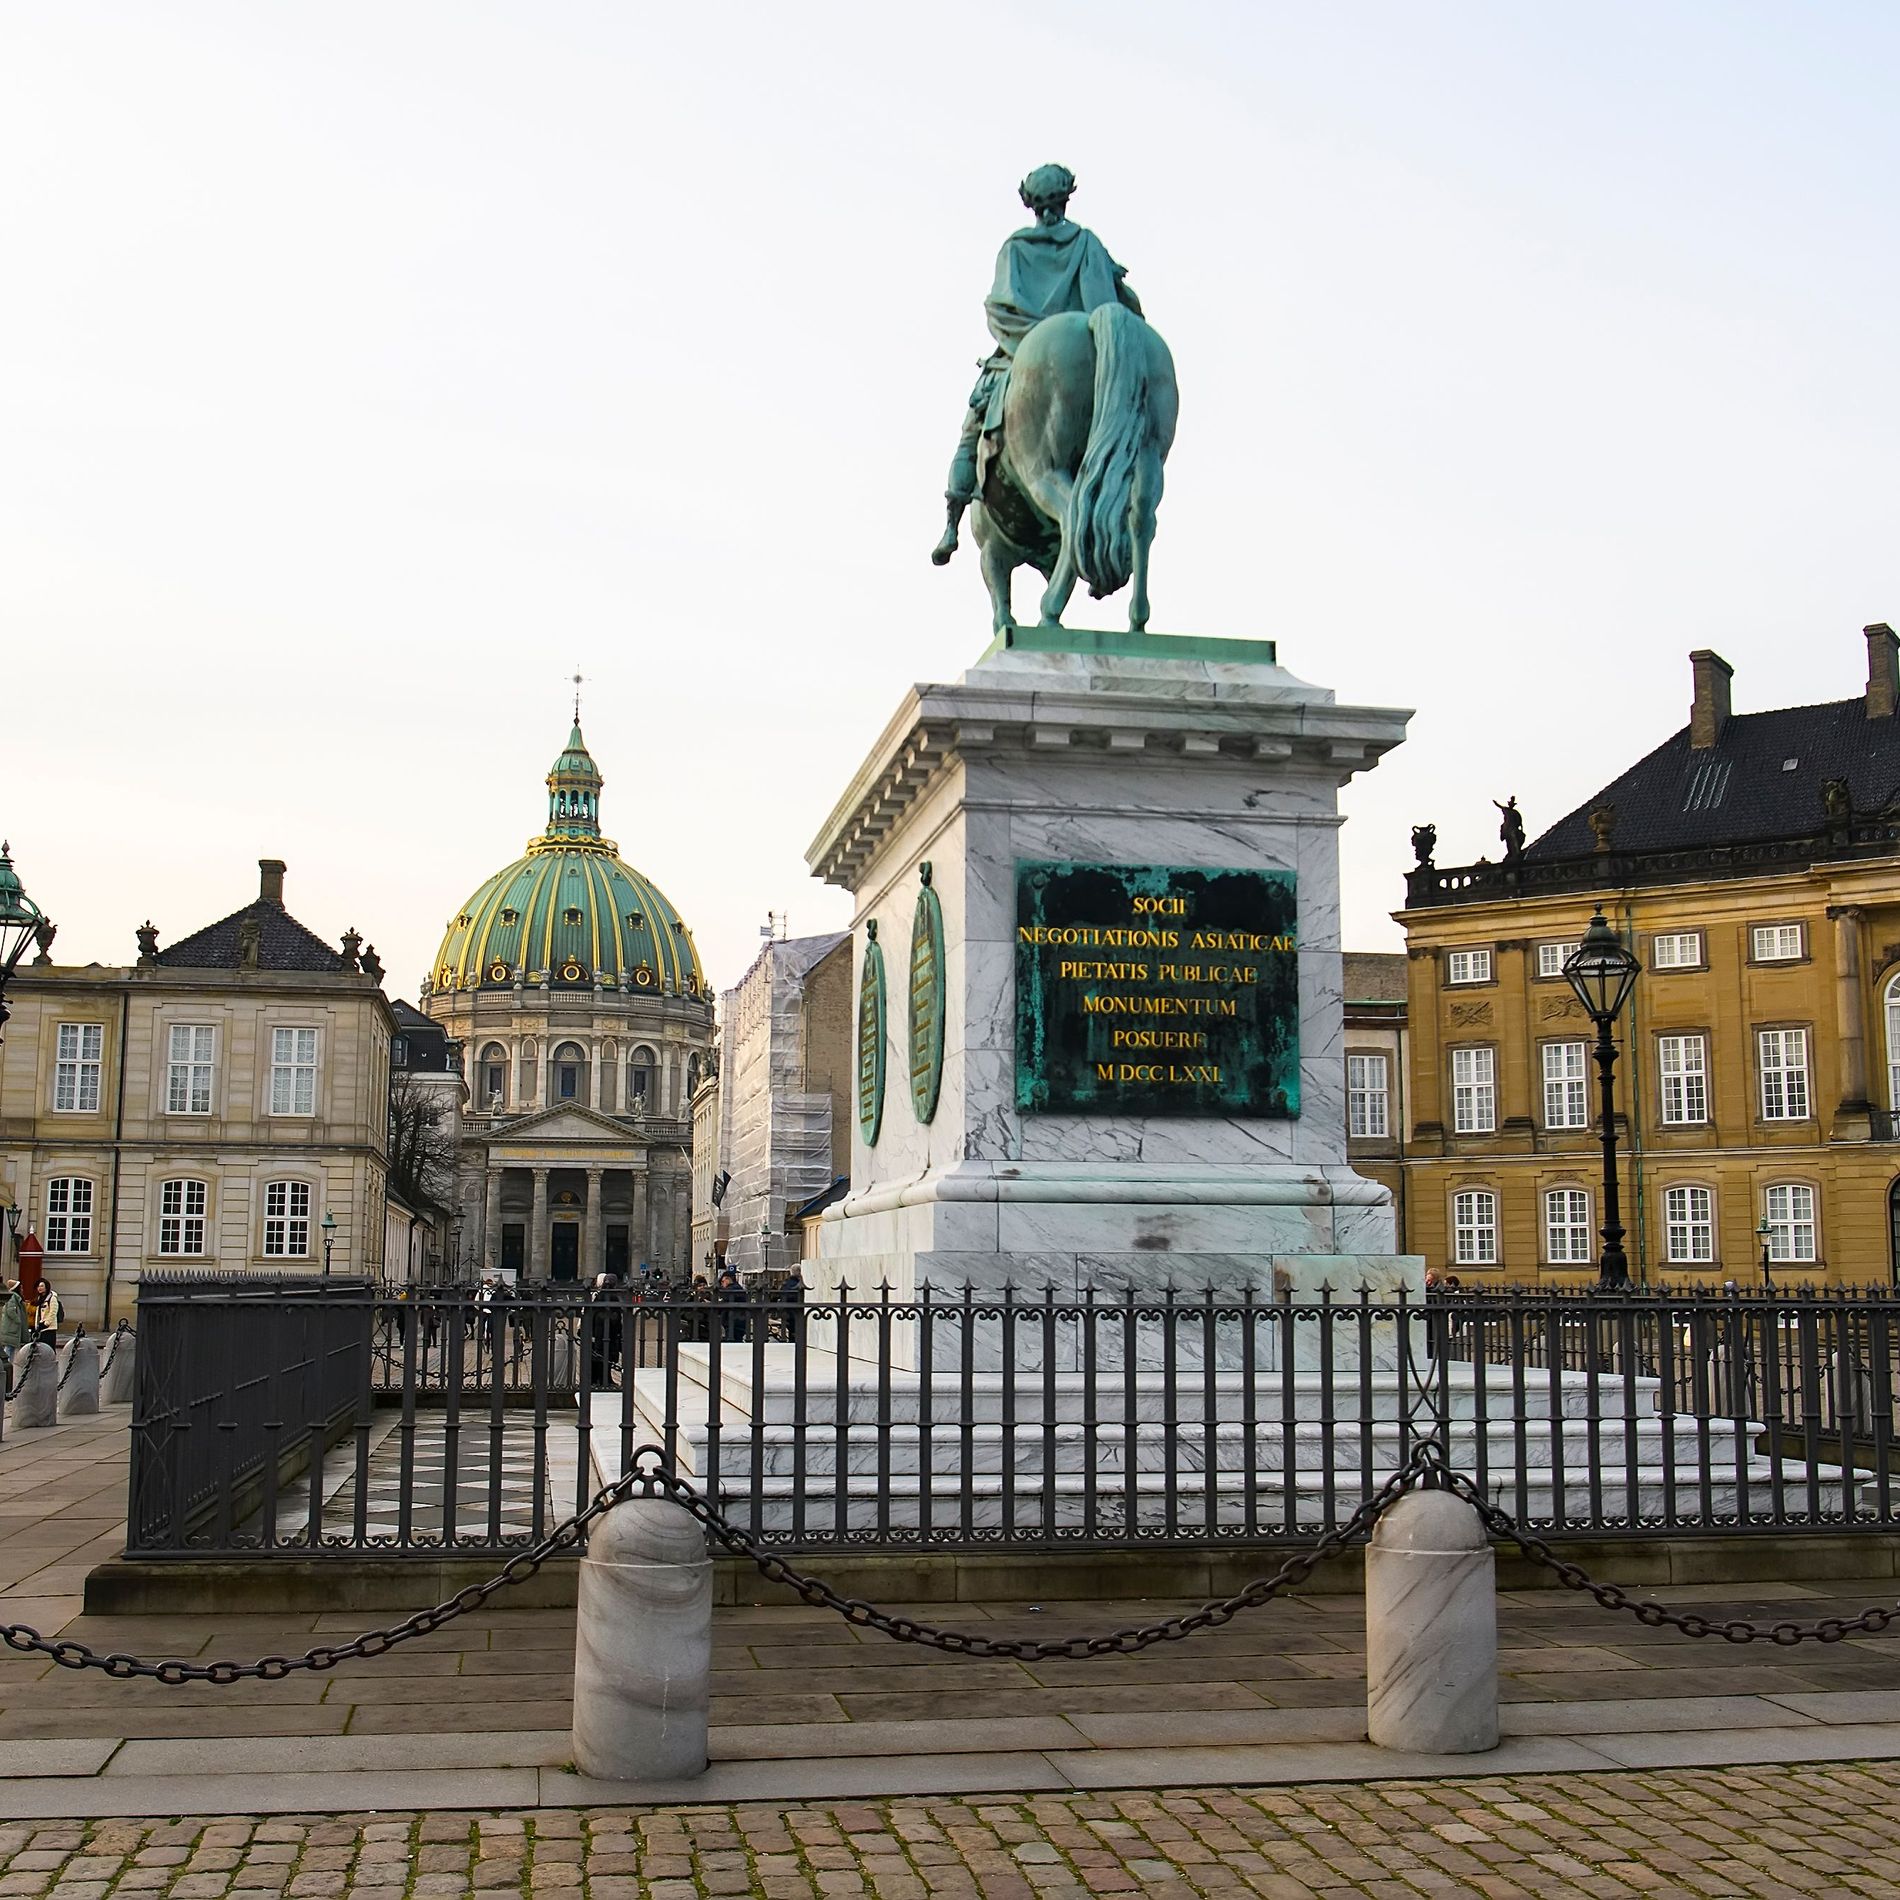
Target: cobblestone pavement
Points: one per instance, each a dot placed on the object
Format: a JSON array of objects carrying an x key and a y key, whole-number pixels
[{"x": 1770, "y": 1832}]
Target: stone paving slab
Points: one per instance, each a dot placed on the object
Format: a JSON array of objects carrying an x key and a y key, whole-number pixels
[{"x": 1761, "y": 1832}]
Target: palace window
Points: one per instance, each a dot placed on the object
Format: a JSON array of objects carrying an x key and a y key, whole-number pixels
[
  {"x": 68, "y": 1215},
  {"x": 1775, "y": 943},
  {"x": 1567, "y": 1241},
  {"x": 1684, "y": 1065},
  {"x": 181, "y": 1217},
  {"x": 1566, "y": 1085},
  {"x": 1677, "y": 950},
  {"x": 1784, "y": 1074},
  {"x": 79, "y": 1049},
  {"x": 1474, "y": 1093},
  {"x": 1551, "y": 957},
  {"x": 293, "y": 1071},
  {"x": 1468, "y": 966},
  {"x": 1790, "y": 1214},
  {"x": 1366, "y": 1095},
  {"x": 1474, "y": 1228},
  {"x": 287, "y": 1219},
  {"x": 1689, "y": 1225},
  {"x": 1893, "y": 1043},
  {"x": 188, "y": 1069}
]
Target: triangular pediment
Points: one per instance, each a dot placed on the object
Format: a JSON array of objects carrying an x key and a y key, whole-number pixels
[{"x": 565, "y": 1121}]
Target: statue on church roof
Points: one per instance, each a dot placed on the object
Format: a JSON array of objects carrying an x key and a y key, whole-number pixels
[{"x": 1061, "y": 452}]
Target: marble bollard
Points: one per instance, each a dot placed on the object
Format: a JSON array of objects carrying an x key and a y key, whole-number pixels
[
  {"x": 79, "y": 1379},
  {"x": 118, "y": 1376},
  {"x": 643, "y": 1645},
  {"x": 35, "y": 1387},
  {"x": 1431, "y": 1628}
]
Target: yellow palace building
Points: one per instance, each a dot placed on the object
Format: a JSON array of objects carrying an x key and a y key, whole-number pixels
[{"x": 1752, "y": 861}]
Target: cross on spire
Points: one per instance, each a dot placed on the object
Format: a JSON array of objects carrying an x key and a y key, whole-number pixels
[{"x": 578, "y": 682}]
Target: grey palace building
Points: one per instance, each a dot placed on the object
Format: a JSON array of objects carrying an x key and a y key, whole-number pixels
[{"x": 585, "y": 1023}]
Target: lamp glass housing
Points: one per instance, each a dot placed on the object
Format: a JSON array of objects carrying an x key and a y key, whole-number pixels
[{"x": 1602, "y": 971}]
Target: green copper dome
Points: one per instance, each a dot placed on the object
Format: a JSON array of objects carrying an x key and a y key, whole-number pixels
[{"x": 570, "y": 913}]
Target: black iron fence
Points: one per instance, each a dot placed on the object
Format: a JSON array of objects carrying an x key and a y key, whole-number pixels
[{"x": 302, "y": 1420}]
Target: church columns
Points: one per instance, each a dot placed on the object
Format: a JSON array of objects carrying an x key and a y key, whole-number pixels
[
  {"x": 516, "y": 1086},
  {"x": 639, "y": 1236},
  {"x": 490, "y": 1250},
  {"x": 593, "y": 1235},
  {"x": 538, "y": 1229},
  {"x": 593, "y": 1072}
]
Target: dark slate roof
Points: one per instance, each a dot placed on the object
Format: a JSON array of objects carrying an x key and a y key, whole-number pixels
[
  {"x": 1742, "y": 788},
  {"x": 283, "y": 943},
  {"x": 409, "y": 1018}
]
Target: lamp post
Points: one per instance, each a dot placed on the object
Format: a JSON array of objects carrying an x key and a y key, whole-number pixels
[
  {"x": 1602, "y": 971},
  {"x": 328, "y": 1224},
  {"x": 1766, "y": 1234},
  {"x": 20, "y": 919}
]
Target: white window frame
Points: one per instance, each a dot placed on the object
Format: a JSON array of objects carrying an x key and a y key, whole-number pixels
[
  {"x": 184, "y": 1217},
  {"x": 287, "y": 1207},
  {"x": 1682, "y": 1067},
  {"x": 189, "y": 1076},
  {"x": 67, "y": 1225},
  {"x": 1782, "y": 1063},
  {"x": 1776, "y": 943},
  {"x": 1368, "y": 1096},
  {"x": 1467, "y": 966},
  {"x": 1792, "y": 1211},
  {"x": 293, "y": 1072},
  {"x": 1689, "y": 1225},
  {"x": 1551, "y": 957},
  {"x": 1666, "y": 950},
  {"x": 1474, "y": 1089},
  {"x": 1893, "y": 1042},
  {"x": 1566, "y": 1072},
  {"x": 1474, "y": 1228},
  {"x": 79, "y": 1053},
  {"x": 1569, "y": 1236}
]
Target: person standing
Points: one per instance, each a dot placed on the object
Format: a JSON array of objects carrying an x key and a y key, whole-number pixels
[
  {"x": 49, "y": 1312},
  {"x": 14, "y": 1330},
  {"x": 732, "y": 1295}
]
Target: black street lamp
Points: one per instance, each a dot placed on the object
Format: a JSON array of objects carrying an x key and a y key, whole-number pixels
[
  {"x": 1602, "y": 970},
  {"x": 1766, "y": 1234},
  {"x": 20, "y": 920},
  {"x": 328, "y": 1224}
]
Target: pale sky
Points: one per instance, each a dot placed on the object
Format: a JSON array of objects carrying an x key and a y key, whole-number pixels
[{"x": 366, "y": 367}]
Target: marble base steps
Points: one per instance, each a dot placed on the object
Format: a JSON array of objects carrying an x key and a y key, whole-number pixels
[
  {"x": 1632, "y": 1461},
  {"x": 528, "y": 1769}
]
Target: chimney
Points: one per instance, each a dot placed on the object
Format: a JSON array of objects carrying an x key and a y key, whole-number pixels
[
  {"x": 1883, "y": 670},
  {"x": 270, "y": 881},
  {"x": 1709, "y": 714}
]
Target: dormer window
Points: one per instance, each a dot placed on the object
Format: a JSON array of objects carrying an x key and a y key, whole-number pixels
[
  {"x": 572, "y": 914},
  {"x": 511, "y": 916}
]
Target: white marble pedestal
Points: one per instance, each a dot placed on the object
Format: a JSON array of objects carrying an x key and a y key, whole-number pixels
[{"x": 1194, "y": 753}]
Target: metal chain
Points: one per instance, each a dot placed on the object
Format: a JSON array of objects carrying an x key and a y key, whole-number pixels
[
  {"x": 1826, "y": 1629},
  {"x": 26, "y": 1366},
  {"x": 122, "y": 1331},
  {"x": 656, "y": 1480},
  {"x": 72, "y": 1359},
  {"x": 1427, "y": 1466}
]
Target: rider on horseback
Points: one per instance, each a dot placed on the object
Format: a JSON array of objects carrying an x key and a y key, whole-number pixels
[{"x": 1050, "y": 267}]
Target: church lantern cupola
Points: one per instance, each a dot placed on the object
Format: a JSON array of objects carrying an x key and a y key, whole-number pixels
[{"x": 574, "y": 793}]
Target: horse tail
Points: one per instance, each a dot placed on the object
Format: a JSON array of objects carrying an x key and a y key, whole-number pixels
[{"x": 1120, "y": 454}]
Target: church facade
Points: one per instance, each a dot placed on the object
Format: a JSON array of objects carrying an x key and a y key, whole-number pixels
[{"x": 585, "y": 1023}]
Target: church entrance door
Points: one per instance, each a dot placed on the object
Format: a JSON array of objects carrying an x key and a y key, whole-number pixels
[
  {"x": 564, "y": 1258},
  {"x": 617, "y": 1251}
]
